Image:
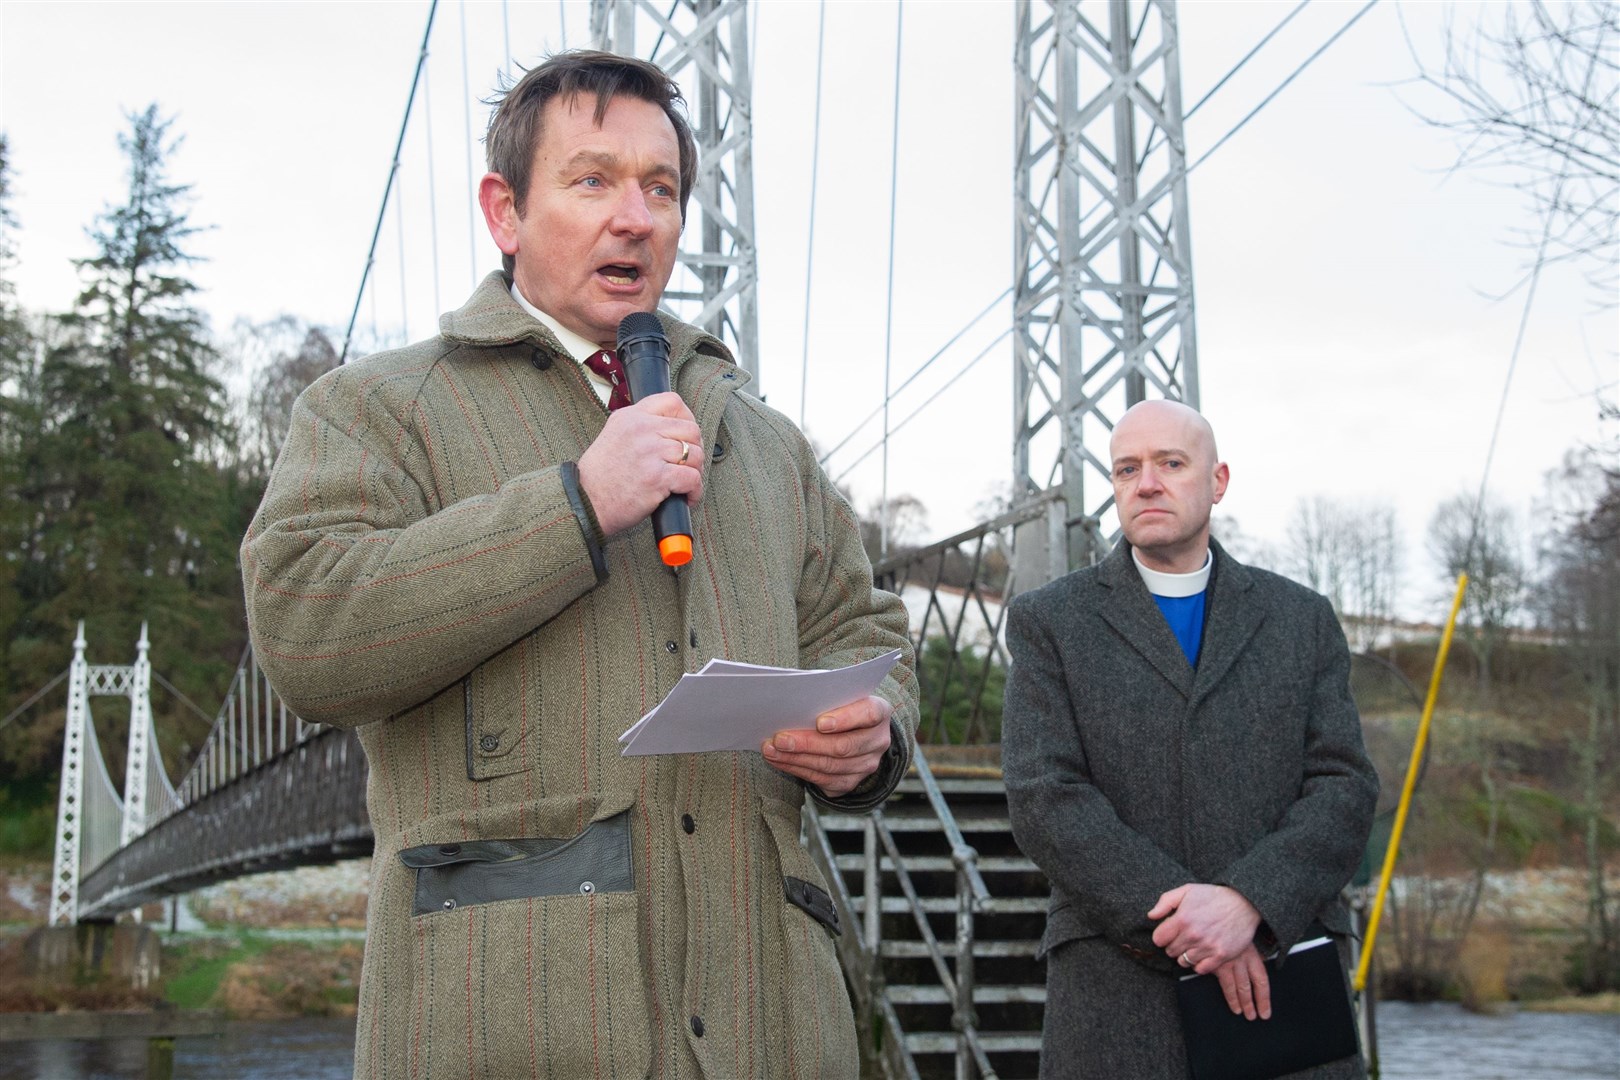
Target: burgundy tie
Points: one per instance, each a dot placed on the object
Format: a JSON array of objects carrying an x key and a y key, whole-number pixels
[{"x": 606, "y": 364}]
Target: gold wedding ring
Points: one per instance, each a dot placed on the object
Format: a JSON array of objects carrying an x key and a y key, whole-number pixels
[{"x": 685, "y": 450}]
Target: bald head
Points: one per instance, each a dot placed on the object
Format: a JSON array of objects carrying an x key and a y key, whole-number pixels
[
  {"x": 1163, "y": 415},
  {"x": 1166, "y": 479}
]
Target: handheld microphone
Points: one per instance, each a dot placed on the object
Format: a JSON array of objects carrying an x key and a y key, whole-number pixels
[{"x": 644, "y": 352}]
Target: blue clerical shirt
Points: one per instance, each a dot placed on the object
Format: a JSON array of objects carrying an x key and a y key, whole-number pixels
[{"x": 1180, "y": 598}]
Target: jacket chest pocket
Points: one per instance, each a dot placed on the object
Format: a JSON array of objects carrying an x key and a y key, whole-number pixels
[{"x": 501, "y": 716}]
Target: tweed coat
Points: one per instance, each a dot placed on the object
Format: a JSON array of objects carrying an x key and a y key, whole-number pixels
[
  {"x": 1129, "y": 773},
  {"x": 425, "y": 567}
]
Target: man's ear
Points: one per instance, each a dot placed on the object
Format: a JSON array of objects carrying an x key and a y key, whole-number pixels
[
  {"x": 500, "y": 211},
  {"x": 1222, "y": 476}
]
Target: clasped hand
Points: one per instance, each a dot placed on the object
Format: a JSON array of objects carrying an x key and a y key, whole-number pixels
[
  {"x": 1210, "y": 928},
  {"x": 845, "y": 747}
]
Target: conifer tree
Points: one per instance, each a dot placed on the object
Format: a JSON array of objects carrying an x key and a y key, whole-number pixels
[{"x": 139, "y": 523}]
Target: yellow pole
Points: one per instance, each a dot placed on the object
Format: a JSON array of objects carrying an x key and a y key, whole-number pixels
[{"x": 1406, "y": 791}]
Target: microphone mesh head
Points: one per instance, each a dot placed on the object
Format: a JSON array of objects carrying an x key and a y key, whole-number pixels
[{"x": 639, "y": 324}]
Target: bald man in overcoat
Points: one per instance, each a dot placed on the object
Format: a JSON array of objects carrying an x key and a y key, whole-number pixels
[{"x": 1184, "y": 762}]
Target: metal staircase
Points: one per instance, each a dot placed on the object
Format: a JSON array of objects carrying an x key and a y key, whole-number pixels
[{"x": 942, "y": 915}]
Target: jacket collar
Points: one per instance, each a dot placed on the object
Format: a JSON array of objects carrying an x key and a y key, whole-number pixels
[
  {"x": 491, "y": 318},
  {"x": 1232, "y": 621}
]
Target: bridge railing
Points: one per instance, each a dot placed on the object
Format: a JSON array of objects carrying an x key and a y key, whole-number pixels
[
  {"x": 254, "y": 725},
  {"x": 955, "y": 592}
]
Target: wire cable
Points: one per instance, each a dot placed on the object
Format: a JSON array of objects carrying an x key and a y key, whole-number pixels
[
  {"x": 888, "y": 316},
  {"x": 1478, "y": 516},
  {"x": 1301, "y": 6},
  {"x": 915, "y": 374},
  {"x": 433, "y": 189},
  {"x": 971, "y": 364},
  {"x": 1309, "y": 60},
  {"x": 466, "y": 115},
  {"x": 393, "y": 171},
  {"x": 810, "y": 241},
  {"x": 41, "y": 692}
]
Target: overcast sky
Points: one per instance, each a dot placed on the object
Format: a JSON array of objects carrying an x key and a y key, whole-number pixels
[{"x": 1353, "y": 332}]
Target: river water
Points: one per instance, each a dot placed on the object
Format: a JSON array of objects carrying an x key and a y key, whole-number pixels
[{"x": 1416, "y": 1042}]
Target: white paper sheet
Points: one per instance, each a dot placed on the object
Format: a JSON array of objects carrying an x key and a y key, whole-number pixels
[{"x": 734, "y": 706}]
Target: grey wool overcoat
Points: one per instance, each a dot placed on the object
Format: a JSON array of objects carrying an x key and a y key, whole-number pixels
[
  {"x": 1130, "y": 773},
  {"x": 425, "y": 568}
]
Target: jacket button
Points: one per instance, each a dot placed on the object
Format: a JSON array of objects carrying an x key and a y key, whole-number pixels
[
  {"x": 691, "y": 636},
  {"x": 671, "y": 647},
  {"x": 489, "y": 744},
  {"x": 688, "y": 824},
  {"x": 449, "y": 849},
  {"x": 540, "y": 360},
  {"x": 719, "y": 452},
  {"x": 697, "y": 1026}
]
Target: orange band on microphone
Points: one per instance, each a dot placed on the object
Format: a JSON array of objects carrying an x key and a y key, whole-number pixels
[{"x": 676, "y": 550}]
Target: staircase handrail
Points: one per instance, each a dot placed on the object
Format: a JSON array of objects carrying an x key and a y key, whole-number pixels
[{"x": 971, "y": 894}]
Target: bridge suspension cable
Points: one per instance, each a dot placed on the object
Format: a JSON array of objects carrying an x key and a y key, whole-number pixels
[
  {"x": 888, "y": 304},
  {"x": 1308, "y": 61},
  {"x": 393, "y": 171},
  {"x": 810, "y": 232}
]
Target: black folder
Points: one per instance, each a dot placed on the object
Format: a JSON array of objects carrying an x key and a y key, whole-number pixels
[{"x": 1311, "y": 1020}]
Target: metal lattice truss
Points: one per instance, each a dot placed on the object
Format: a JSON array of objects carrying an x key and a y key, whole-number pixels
[
  {"x": 704, "y": 43},
  {"x": 1103, "y": 307}
]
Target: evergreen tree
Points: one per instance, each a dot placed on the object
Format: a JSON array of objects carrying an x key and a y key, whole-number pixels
[
  {"x": 19, "y": 426},
  {"x": 139, "y": 519}
]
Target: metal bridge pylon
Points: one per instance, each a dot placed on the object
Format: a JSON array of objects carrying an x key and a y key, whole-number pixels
[
  {"x": 92, "y": 820},
  {"x": 1103, "y": 296}
]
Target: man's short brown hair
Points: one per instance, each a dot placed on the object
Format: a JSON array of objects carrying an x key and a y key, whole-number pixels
[{"x": 514, "y": 127}]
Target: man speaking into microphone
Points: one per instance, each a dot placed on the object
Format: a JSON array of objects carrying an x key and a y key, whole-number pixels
[{"x": 454, "y": 556}]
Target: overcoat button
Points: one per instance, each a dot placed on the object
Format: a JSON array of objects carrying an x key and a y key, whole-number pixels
[
  {"x": 671, "y": 647},
  {"x": 697, "y": 1026},
  {"x": 688, "y": 824},
  {"x": 540, "y": 360},
  {"x": 489, "y": 744},
  {"x": 691, "y": 636}
]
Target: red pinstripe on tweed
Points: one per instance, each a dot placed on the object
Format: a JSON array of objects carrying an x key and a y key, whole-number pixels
[{"x": 443, "y": 371}]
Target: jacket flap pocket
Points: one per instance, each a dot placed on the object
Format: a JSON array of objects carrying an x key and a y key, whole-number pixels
[
  {"x": 475, "y": 851},
  {"x": 596, "y": 860}
]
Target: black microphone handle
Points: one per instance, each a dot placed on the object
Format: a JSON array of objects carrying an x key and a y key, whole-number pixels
[{"x": 644, "y": 353}]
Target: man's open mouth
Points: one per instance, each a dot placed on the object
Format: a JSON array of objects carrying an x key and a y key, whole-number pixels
[{"x": 620, "y": 275}]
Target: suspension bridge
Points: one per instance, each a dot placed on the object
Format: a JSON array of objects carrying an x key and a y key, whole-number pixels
[{"x": 941, "y": 910}]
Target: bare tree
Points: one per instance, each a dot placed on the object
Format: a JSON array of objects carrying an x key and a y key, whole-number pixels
[
  {"x": 286, "y": 355},
  {"x": 1486, "y": 546},
  {"x": 1352, "y": 555},
  {"x": 1533, "y": 99},
  {"x": 1579, "y": 599}
]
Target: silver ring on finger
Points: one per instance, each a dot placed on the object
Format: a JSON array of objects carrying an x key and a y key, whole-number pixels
[{"x": 1186, "y": 961}]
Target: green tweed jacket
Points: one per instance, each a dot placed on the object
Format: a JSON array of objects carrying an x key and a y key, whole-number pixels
[{"x": 424, "y": 567}]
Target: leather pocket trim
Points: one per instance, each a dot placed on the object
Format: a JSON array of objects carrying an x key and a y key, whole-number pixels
[
  {"x": 453, "y": 875},
  {"x": 814, "y": 901}
]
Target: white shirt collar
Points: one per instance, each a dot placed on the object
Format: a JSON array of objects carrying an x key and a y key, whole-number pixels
[
  {"x": 1172, "y": 585},
  {"x": 579, "y": 348}
]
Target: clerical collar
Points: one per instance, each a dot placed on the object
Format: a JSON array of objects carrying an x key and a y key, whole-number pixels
[
  {"x": 1162, "y": 584},
  {"x": 579, "y": 348}
]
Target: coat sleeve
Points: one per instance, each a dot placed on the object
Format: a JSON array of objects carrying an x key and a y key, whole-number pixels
[
  {"x": 844, "y": 619},
  {"x": 1109, "y": 871},
  {"x": 365, "y": 597},
  {"x": 1300, "y": 866}
]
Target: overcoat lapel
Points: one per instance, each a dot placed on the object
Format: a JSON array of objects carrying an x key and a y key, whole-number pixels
[
  {"x": 1233, "y": 620},
  {"x": 1129, "y": 609}
]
